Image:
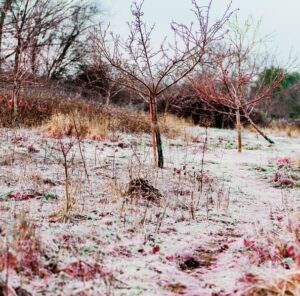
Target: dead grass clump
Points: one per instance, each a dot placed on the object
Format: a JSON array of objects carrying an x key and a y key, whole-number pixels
[
  {"x": 282, "y": 127},
  {"x": 207, "y": 257},
  {"x": 176, "y": 288},
  {"x": 97, "y": 124},
  {"x": 60, "y": 125},
  {"x": 141, "y": 189},
  {"x": 295, "y": 162},
  {"x": 289, "y": 131},
  {"x": 127, "y": 121},
  {"x": 288, "y": 285},
  {"x": 173, "y": 126},
  {"x": 285, "y": 127},
  {"x": 6, "y": 160}
]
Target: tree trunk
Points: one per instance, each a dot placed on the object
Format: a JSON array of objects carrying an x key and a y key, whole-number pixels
[
  {"x": 239, "y": 130},
  {"x": 16, "y": 85},
  {"x": 159, "y": 147},
  {"x": 259, "y": 130},
  {"x": 4, "y": 9},
  {"x": 15, "y": 117},
  {"x": 156, "y": 137},
  {"x": 68, "y": 197}
]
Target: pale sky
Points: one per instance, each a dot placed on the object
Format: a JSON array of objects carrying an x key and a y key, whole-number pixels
[{"x": 280, "y": 18}]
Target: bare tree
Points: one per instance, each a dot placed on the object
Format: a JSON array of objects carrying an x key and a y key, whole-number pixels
[
  {"x": 234, "y": 79},
  {"x": 150, "y": 72},
  {"x": 68, "y": 44},
  {"x": 41, "y": 37},
  {"x": 6, "y": 5}
]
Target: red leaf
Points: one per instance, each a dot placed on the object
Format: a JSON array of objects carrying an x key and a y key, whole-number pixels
[
  {"x": 155, "y": 249},
  {"x": 290, "y": 251},
  {"x": 279, "y": 218},
  {"x": 248, "y": 243}
]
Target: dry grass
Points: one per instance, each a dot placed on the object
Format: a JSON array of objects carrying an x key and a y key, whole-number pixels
[
  {"x": 102, "y": 122},
  {"x": 288, "y": 285},
  {"x": 295, "y": 162},
  {"x": 284, "y": 128},
  {"x": 172, "y": 126},
  {"x": 60, "y": 124},
  {"x": 96, "y": 125}
]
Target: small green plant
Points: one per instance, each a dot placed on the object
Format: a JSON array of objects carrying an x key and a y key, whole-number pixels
[
  {"x": 50, "y": 196},
  {"x": 229, "y": 145}
]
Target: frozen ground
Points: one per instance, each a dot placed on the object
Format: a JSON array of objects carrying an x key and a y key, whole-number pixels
[{"x": 200, "y": 236}]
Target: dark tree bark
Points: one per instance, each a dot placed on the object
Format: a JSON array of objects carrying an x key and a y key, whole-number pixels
[
  {"x": 4, "y": 9},
  {"x": 239, "y": 130},
  {"x": 156, "y": 136}
]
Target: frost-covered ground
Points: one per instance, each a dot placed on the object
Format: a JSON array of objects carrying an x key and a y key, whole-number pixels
[{"x": 217, "y": 223}]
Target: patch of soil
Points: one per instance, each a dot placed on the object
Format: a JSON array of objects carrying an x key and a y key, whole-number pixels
[
  {"x": 202, "y": 257},
  {"x": 175, "y": 288},
  {"x": 141, "y": 189},
  {"x": 206, "y": 257},
  {"x": 190, "y": 263},
  {"x": 229, "y": 233}
]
